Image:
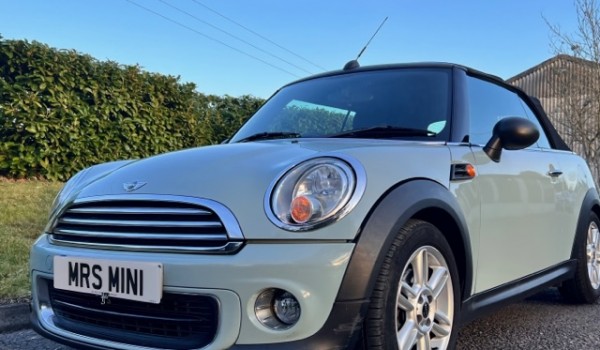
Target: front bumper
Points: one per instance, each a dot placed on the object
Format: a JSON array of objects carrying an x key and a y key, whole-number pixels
[{"x": 313, "y": 272}]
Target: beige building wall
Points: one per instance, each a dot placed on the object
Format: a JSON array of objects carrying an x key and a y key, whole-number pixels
[{"x": 569, "y": 90}]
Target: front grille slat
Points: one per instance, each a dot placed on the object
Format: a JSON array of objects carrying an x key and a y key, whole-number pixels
[
  {"x": 167, "y": 247},
  {"x": 140, "y": 211},
  {"x": 140, "y": 223},
  {"x": 142, "y": 236},
  {"x": 153, "y": 223},
  {"x": 180, "y": 321}
]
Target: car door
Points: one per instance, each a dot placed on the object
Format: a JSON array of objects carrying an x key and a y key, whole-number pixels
[{"x": 520, "y": 232}]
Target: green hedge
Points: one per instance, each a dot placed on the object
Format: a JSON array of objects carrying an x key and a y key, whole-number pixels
[{"x": 61, "y": 111}]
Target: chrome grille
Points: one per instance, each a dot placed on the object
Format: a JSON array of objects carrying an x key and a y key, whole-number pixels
[{"x": 148, "y": 223}]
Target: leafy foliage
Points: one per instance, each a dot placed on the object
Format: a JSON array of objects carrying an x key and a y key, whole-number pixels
[
  {"x": 61, "y": 111},
  {"x": 220, "y": 117},
  {"x": 312, "y": 121}
]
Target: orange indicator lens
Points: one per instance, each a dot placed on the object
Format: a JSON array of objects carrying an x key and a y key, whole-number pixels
[
  {"x": 471, "y": 170},
  {"x": 301, "y": 209}
]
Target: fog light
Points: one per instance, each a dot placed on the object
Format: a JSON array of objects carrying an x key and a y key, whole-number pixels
[
  {"x": 287, "y": 308},
  {"x": 277, "y": 308}
]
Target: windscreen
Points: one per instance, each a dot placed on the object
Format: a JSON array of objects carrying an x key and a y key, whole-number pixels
[{"x": 390, "y": 103}]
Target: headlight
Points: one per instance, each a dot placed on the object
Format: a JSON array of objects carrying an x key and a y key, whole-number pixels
[{"x": 314, "y": 193}]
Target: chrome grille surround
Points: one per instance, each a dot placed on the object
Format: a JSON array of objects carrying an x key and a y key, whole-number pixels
[{"x": 142, "y": 222}]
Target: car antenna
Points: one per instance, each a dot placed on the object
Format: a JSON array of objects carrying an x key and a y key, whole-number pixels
[{"x": 354, "y": 63}]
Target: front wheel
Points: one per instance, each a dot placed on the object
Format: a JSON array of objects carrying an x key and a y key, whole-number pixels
[
  {"x": 415, "y": 300},
  {"x": 585, "y": 286}
]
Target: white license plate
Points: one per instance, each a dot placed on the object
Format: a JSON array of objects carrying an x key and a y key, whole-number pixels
[{"x": 140, "y": 281}]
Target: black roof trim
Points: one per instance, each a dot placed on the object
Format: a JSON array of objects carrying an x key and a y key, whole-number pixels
[
  {"x": 536, "y": 106},
  {"x": 555, "y": 139},
  {"x": 400, "y": 66}
]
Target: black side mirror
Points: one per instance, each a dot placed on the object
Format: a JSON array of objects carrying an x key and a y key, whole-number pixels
[{"x": 512, "y": 133}]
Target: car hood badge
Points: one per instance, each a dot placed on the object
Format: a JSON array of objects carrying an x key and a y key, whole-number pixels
[{"x": 133, "y": 186}]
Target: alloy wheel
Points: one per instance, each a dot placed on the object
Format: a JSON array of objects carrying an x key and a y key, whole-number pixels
[
  {"x": 424, "y": 303},
  {"x": 593, "y": 254}
]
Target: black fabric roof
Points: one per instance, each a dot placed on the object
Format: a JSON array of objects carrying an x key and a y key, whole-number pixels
[{"x": 555, "y": 140}]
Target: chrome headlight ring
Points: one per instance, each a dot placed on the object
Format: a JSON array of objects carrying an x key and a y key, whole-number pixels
[{"x": 315, "y": 192}]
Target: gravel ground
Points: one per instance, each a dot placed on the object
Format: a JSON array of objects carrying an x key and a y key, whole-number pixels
[
  {"x": 541, "y": 322},
  {"x": 14, "y": 301},
  {"x": 28, "y": 340}
]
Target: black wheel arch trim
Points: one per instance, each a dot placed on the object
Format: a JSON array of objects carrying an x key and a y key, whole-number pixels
[
  {"x": 391, "y": 212},
  {"x": 590, "y": 203},
  {"x": 340, "y": 331}
]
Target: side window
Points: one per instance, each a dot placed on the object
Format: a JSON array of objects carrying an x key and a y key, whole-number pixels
[
  {"x": 489, "y": 103},
  {"x": 542, "y": 142}
]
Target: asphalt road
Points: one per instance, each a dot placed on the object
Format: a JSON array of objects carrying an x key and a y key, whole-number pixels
[{"x": 541, "y": 322}]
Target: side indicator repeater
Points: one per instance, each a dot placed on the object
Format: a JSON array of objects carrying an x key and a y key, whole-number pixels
[{"x": 462, "y": 171}]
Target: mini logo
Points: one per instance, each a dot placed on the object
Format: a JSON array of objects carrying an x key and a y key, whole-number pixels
[{"x": 133, "y": 186}]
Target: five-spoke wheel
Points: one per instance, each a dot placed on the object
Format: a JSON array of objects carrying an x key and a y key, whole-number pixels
[
  {"x": 593, "y": 254},
  {"x": 584, "y": 287},
  {"x": 414, "y": 303},
  {"x": 425, "y": 298}
]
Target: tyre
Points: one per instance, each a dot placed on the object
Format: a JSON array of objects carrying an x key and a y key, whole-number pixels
[
  {"x": 585, "y": 286},
  {"x": 415, "y": 301}
]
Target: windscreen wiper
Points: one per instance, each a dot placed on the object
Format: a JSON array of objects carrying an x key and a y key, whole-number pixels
[
  {"x": 270, "y": 135},
  {"x": 385, "y": 131}
]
